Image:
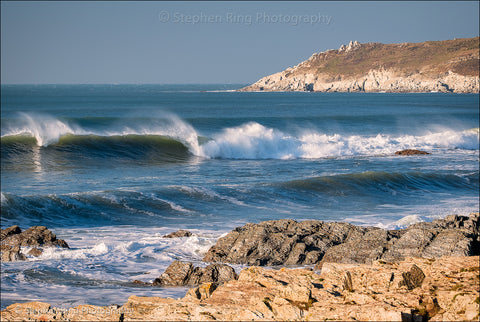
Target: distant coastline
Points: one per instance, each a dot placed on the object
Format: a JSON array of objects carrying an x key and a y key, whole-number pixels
[{"x": 449, "y": 66}]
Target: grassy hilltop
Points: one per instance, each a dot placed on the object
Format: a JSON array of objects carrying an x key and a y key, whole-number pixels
[{"x": 410, "y": 65}]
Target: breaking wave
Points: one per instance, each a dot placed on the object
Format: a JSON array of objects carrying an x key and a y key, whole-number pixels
[{"x": 175, "y": 137}]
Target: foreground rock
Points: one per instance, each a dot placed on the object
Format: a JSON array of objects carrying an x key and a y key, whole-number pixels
[
  {"x": 12, "y": 238},
  {"x": 411, "y": 152},
  {"x": 412, "y": 290},
  {"x": 287, "y": 242},
  {"x": 181, "y": 273}
]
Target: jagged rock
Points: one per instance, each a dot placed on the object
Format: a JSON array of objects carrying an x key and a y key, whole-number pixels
[
  {"x": 35, "y": 252},
  {"x": 12, "y": 238},
  {"x": 179, "y": 233},
  {"x": 413, "y": 278},
  {"x": 342, "y": 292},
  {"x": 181, "y": 273},
  {"x": 410, "y": 152},
  {"x": 178, "y": 273},
  {"x": 33, "y": 236},
  {"x": 13, "y": 230},
  {"x": 12, "y": 254},
  {"x": 287, "y": 242},
  {"x": 279, "y": 242}
]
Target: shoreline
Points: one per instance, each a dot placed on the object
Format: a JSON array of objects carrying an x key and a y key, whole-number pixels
[
  {"x": 414, "y": 289},
  {"x": 346, "y": 288}
]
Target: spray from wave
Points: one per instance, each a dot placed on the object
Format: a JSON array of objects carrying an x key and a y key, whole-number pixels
[
  {"x": 248, "y": 141},
  {"x": 46, "y": 131},
  {"x": 255, "y": 141}
]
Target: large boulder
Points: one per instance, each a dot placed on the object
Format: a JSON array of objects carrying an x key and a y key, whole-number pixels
[
  {"x": 12, "y": 238},
  {"x": 182, "y": 273},
  {"x": 287, "y": 242},
  {"x": 279, "y": 242}
]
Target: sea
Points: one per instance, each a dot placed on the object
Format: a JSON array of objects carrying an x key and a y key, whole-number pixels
[{"x": 113, "y": 168}]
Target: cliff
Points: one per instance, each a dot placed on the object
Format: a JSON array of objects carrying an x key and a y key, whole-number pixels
[{"x": 431, "y": 66}]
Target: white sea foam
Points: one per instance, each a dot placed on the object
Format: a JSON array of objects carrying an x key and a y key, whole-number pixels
[
  {"x": 45, "y": 129},
  {"x": 255, "y": 141},
  {"x": 4, "y": 199}
]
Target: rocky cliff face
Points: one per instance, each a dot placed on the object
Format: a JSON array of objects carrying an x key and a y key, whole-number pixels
[{"x": 441, "y": 66}]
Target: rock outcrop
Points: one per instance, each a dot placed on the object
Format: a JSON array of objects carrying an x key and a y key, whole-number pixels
[
  {"x": 181, "y": 273},
  {"x": 12, "y": 238},
  {"x": 179, "y": 233},
  {"x": 432, "y": 66},
  {"x": 287, "y": 242},
  {"x": 412, "y": 290},
  {"x": 411, "y": 152}
]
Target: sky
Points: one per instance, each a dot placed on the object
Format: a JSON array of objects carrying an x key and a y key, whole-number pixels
[{"x": 203, "y": 42}]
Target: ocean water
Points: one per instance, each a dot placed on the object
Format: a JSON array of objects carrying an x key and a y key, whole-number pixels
[{"x": 112, "y": 168}]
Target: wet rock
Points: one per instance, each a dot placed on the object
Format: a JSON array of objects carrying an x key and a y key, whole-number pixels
[
  {"x": 12, "y": 238},
  {"x": 179, "y": 233},
  {"x": 181, "y": 273},
  {"x": 35, "y": 252},
  {"x": 141, "y": 283},
  {"x": 33, "y": 236},
  {"x": 12, "y": 254},
  {"x": 279, "y": 242},
  {"x": 178, "y": 273},
  {"x": 287, "y": 242},
  {"x": 410, "y": 152},
  {"x": 13, "y": 230}
]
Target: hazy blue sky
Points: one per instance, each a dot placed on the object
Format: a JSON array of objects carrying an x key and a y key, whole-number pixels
[{"x": 203, "y": 42}]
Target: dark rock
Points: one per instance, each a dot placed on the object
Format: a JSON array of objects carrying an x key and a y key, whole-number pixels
[
  {"x": 178, "y": 273},
  {"x": 360, "y": 249},
  {"x": 13, "y": 238},
  {"x": 287, "y": 242},
  {"x": 413, "y": 278},
  {"x": 179, "y": 233},
  {"x": 33, "y": 236},
  {"x": 12, "y": 254},
  {"x": 141, "y": 283},
  {"x": 279, "y": 242},
  {"x": 181, "y": 273},
  {"x": 217, "y": 273},
  {"x": 13, "y": 230},
  {"x": 35, "y": 252},
  {"x": 410, "y": 152}
]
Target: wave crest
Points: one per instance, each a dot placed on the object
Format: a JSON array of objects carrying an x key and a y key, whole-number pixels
[
  {"x": 248, "y": 141},
  {"x": 255, "y": 141}
]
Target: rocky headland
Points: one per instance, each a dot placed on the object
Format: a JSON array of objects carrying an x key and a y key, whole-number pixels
[
  {"x": 427, "y": 271},
  {"x": 431, "y": 66}
]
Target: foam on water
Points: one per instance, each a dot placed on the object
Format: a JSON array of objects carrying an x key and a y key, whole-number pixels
[
  {"x": 108, "y": 258},
  {"x": 255, "y": 141}
]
